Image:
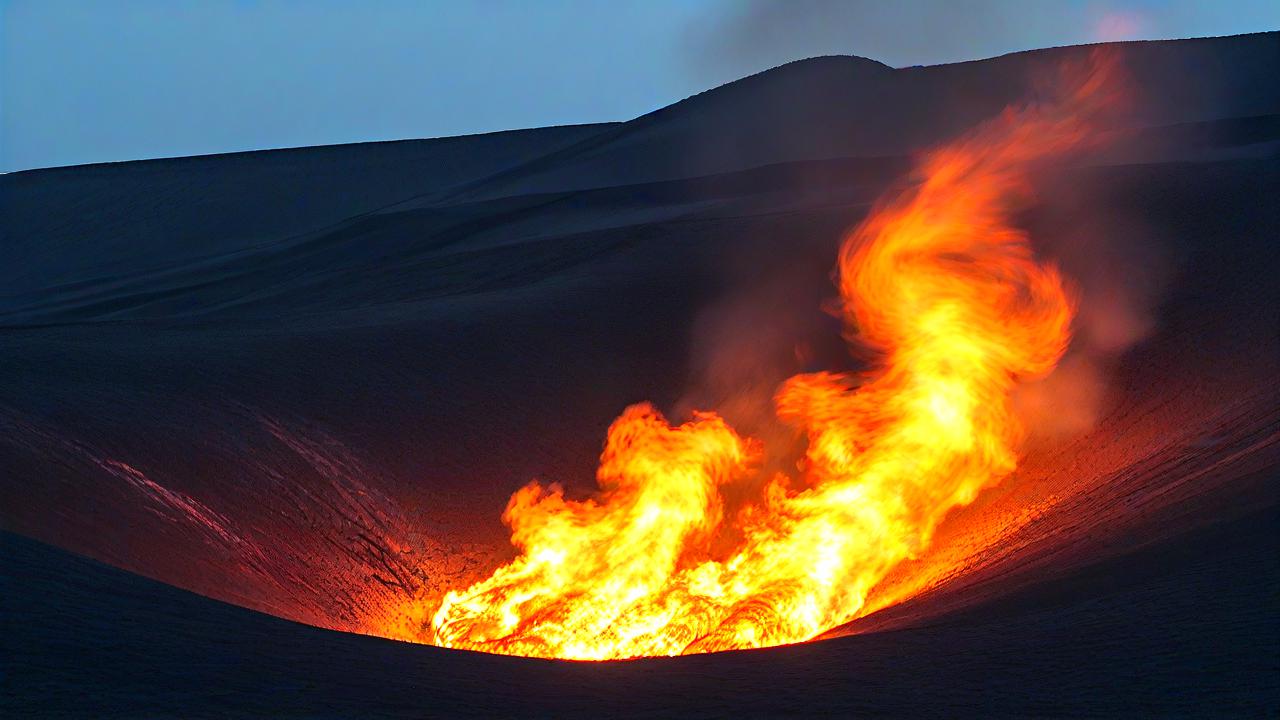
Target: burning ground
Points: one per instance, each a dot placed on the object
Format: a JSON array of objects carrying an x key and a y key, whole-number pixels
[
  {"x": 945, "y": 288},
  {"x": 317, "y": 401}
]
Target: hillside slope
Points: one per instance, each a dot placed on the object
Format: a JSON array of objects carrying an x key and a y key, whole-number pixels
[
  {"x": 1170, "y": 631},
  {"x": 307, "y": 381}
]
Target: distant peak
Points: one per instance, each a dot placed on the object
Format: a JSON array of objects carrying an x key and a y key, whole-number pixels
[
  {"x": 846, "y": 60},
  {"x": 822, "y": 63}
]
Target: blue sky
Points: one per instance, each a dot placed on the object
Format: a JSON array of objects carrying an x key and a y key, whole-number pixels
[{"x": 91, "y": 81}]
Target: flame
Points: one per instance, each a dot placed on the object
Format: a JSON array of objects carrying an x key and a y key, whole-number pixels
[{"x": 940, "y": 283}]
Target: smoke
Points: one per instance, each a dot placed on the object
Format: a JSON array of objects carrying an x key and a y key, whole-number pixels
[
  {"x": 1121, "y": 271},
  {"x": 767, "y": 327},
  {"x": 759, "y": 34},
  {"x": 770, "y": 328}
]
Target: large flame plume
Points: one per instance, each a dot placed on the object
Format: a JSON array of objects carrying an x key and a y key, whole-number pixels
[{"x": 944, "y": 289}]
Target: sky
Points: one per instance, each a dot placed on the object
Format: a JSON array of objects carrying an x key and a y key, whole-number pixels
[{"x": 86, "y": 81}]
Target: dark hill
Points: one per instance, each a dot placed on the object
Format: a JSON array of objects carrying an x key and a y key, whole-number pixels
[
  {"x": 1169, "y": 631},
  {"x": 306, "y": 382}
]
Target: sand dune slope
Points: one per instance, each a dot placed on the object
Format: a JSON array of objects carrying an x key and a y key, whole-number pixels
[{"x": 306, "y": 382}]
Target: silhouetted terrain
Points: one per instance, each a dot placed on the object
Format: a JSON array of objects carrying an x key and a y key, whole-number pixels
[
  {"x": 306, "y": 381},
  {"x": 1168, "y": 631}
]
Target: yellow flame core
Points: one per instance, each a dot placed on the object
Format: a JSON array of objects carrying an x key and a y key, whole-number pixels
[{"x": 939, "y": 281}]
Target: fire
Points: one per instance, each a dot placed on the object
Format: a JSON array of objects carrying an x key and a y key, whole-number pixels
[{"x": 939, "y": 282}]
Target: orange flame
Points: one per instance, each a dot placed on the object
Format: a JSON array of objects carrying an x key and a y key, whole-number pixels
[{"x": 946, "y": 289}]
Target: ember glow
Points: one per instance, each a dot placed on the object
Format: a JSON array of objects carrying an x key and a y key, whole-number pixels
[{"x": 945, "y": 289}]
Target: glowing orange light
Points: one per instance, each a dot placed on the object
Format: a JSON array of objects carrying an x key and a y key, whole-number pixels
[{"x": 939, "y": 281}]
